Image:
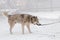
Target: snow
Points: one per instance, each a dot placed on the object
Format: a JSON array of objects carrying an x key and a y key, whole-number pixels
[{"x": 47, "y": 32}]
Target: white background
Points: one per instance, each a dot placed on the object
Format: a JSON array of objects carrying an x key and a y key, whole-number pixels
[{"x": 31, "y": 5}]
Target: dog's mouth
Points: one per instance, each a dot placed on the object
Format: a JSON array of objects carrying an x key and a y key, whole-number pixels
[{"x": 38, "y": 24}]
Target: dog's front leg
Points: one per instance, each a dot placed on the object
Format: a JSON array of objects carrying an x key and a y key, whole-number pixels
[{"x": 28, "y": 27}]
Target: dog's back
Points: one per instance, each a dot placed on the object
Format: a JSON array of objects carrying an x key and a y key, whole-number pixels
[
  {"x": 21, "y": 17},
  {"x": 18, "y": 17}
]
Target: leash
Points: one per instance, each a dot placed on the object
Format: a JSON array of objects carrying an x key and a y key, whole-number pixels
[{"x": 48, "y": 23}]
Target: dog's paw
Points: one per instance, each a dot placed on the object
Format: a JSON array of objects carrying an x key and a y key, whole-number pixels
[
  {"x": 30, "y": 32},
  {"x": 11, "y": 33},
  {"x": 23, "y": 33}
]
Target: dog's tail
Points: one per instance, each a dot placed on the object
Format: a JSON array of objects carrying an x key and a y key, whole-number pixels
[{"x": 5, "y": 14}]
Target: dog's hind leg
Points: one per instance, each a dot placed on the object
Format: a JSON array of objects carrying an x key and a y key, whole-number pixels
[{"x": 11, "y": 27}]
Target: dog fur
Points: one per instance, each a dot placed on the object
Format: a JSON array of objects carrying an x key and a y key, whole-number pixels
[{"x": 23, "y": 19}]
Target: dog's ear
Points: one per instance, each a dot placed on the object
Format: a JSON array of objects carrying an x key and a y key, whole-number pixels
[{"x": 33, "y": 17}]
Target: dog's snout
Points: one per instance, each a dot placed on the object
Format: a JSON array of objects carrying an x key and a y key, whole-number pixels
[{"x": 38, "y": 24}]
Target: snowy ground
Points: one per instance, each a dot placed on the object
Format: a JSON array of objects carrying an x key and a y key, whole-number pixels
[{"x": 47, "y": 32}]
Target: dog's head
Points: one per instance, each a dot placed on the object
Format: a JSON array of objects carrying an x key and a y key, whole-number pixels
[{"x": 35, "y": 20}]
